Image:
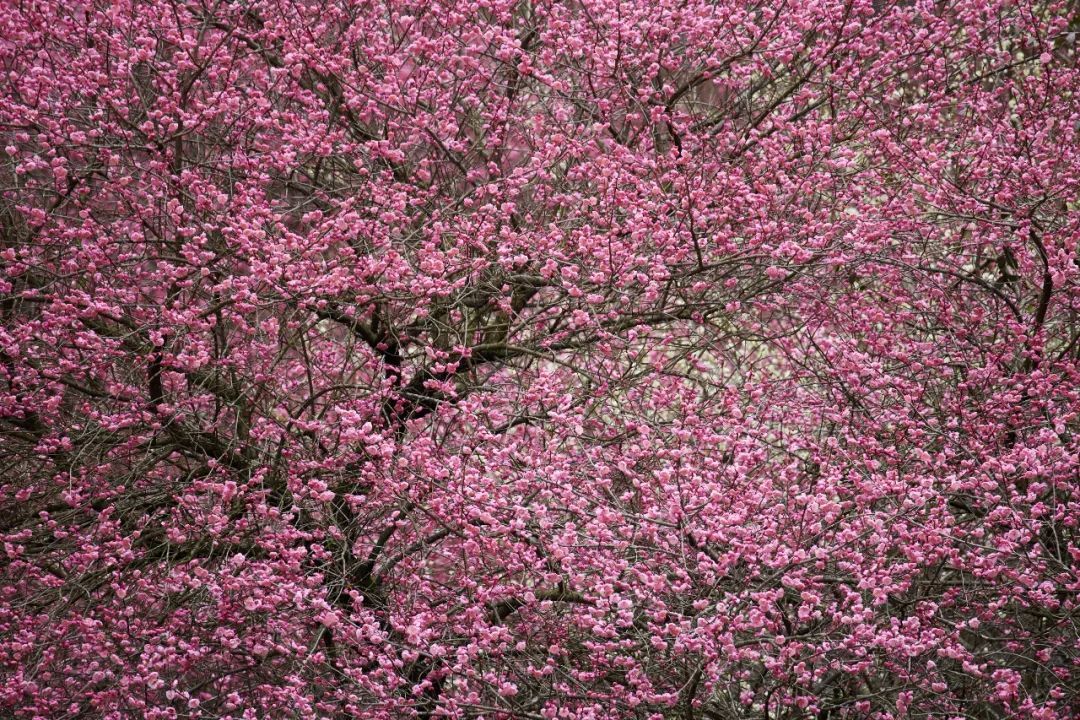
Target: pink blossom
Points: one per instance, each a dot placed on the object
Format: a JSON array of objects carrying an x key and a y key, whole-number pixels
[{"x": 692, "y": 358}]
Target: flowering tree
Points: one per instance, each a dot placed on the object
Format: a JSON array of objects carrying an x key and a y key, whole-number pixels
[{"x": 696, "y": 359}]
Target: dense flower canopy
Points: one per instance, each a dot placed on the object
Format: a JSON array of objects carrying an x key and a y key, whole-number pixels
[{"x": 696, "y": 359}]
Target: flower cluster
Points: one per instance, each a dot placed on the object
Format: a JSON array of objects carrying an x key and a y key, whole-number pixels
[{"x": 552, "y": 359}]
